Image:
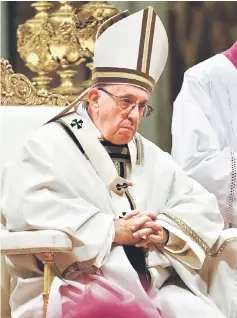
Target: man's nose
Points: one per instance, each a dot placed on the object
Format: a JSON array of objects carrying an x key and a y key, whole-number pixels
[{"x": 134, "y": 113}]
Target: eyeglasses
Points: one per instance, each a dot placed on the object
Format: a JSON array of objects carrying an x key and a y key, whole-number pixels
[{"x": 127, "y": 105}]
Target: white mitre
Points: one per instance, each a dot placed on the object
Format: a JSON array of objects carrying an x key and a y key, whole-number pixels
[
  {"x": 132, "y": 50},
  {"x": 129, "y": 49}
]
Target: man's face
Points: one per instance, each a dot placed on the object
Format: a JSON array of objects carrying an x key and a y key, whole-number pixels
[{"x": 115, "y": 124}]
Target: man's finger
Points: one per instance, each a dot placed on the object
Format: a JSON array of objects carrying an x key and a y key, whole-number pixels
[
  {"x": 143, "y": 243},
  {"x": 139, "y": 223},
  {"x": 153, "y": 225},
  {"x": 152, "y": 215},
  {"x": 156, "y": 239},
  {"x": 138, "y": 213},
  {"x": 131, "y": 214},
  {"x": 142, "y": 232}
]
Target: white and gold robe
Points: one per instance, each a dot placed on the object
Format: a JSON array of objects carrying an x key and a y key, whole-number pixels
[
  {"x": 50, "y": 184},
  {"x": 204, "y": 137}
]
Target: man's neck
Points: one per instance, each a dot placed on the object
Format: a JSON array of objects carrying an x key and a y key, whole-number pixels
[{"x": 231, "y": 54}]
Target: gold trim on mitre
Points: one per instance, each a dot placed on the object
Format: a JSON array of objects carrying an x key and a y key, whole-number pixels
[
  {"x": 146, "y": 40},
  {"x": 116, "y": 75},
  {"x": 111, "y": 21}
]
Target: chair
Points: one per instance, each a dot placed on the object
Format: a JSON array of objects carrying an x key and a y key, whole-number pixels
[{"x": 31, "y": 109}]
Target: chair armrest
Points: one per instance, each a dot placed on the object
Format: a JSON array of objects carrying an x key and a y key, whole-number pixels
[
  {"x": 46, "y": 242},
  {"x": 32, "y": 242}
]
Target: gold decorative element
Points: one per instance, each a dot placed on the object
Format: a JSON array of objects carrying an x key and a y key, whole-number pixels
[
  {"x": 45, "y": 304},
  {"x": 147, "y": 39},
  {"x": 17, "y": 89},
  {"x": 139, "y": 146},
  {"x": 33, "y": 39},
  {"x": 195, "y": 237},
  {"x": 188, "y": 231},
  {"x": 35, "y": 250},
  {"x": 90, "y": 17},
  {"x": 67, "y": 86},
  {"x": 222, "y": 247},
  {"x": 48, "y": 260},
  {"x": 65, "y": 47},
  {"x": 98, "y": 74},
  {"x": 61, "y": 41}
]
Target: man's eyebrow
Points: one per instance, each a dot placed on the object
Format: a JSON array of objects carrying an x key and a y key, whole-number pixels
[{"x": 132, "y": 97}]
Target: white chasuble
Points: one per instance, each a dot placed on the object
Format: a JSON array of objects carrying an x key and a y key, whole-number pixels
[{"x": 60, "y": 186}]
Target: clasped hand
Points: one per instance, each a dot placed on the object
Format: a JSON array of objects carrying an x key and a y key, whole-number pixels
[{"x": 139, "y": 229}]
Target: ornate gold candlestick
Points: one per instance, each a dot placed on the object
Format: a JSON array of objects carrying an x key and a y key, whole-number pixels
[
  {"x": 61, "y": 41},
  {"x": 33, "y": 38},
  {"x": 66, "y": 49}
]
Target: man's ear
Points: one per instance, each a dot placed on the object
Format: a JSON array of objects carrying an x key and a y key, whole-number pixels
[{"x": 93, "y": 96}]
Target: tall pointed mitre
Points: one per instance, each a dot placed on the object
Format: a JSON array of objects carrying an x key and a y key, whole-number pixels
[
  {"x": 129, "y": 49},
  {"x": 133, "y": 50}
]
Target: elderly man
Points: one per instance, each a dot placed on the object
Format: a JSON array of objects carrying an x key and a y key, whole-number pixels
[
  {"x": 140, "y": 228},
  {"x": 204, "y": 131}
]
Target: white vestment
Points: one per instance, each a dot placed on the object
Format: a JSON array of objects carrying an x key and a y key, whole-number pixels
[
  {"x": 51, "y": 184},
  {"x": 204, "y": 136},
  {"x": 204, "y": 130}
]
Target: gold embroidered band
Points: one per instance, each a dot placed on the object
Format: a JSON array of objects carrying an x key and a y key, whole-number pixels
[
  {"x": 189, "y": 232},
  {"x": 146, "y": 40},
  {"x": 122, "y": 75}
]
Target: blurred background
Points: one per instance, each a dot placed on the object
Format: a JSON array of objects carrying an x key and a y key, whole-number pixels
[{"x": 196, "y": 31}]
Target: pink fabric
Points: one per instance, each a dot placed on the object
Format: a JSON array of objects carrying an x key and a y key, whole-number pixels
[
  {"x": 92, "y": 308},
  {"x": 231, "y": 54},
  {"x": 92, "y": 296}
]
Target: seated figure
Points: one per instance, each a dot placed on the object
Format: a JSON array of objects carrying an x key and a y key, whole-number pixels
[{"x": 140, "y": 228}]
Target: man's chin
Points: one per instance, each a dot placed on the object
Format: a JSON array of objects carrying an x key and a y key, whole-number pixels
[{"x": 122, "y": 138}]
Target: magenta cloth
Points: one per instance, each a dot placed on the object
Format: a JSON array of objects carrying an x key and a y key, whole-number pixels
[
  {"x": 92, "y": 308},
  {"x": 231, "y": 54}
]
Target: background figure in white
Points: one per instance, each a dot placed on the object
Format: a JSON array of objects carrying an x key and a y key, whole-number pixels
[{"x": 204, "y": 130}]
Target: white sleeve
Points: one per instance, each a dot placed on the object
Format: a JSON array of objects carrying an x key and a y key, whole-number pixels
[
  {"x": 192, "y": 217},
  {"x": 35, "y": 197},
  {"x": 196, "y": 147}
]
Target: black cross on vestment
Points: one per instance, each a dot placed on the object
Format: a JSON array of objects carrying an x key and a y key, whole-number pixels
[{"x": 76, "y": 122}]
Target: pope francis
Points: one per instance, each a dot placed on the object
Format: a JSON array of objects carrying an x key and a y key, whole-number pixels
[{"x": 140, "y": 228}]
